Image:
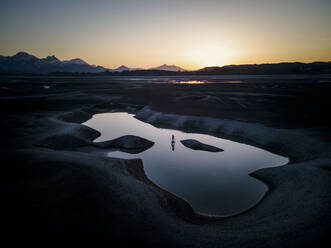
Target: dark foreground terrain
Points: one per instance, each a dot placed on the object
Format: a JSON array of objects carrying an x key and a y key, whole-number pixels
[{"x": 58, "y": 187}]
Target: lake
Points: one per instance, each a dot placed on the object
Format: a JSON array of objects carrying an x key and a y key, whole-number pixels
[{"x": 213, "y": 183}]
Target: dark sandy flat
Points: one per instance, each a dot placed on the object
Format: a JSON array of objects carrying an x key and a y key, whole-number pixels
[{"x": 58, "y": 187}]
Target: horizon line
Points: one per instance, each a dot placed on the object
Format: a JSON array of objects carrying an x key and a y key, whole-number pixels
[{"x": 172, "y": 64}]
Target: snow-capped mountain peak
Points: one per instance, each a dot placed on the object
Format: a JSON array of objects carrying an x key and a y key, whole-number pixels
[
  {"x": 23, "y": 56},
  {"x": 166, "y": 67},
  {"x": 122, "y": 68},
  {"x": 52, "y": 59},
  {"x": 76, "y": 61}
]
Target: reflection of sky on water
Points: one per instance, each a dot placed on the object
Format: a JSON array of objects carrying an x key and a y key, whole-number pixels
[{"x": 213, "y": 183}]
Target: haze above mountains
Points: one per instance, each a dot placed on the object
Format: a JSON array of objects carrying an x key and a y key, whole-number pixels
[{"x": 23, "y": 62}]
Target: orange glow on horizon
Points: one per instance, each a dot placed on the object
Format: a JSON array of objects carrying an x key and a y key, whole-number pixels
[{"x": 147, "y": 34}]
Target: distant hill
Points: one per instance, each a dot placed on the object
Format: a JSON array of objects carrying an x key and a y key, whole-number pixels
[
  {"x": 168, "y": 68},
  {"x": 23, "y": 62},
  {"x": 276, "y": 68}
]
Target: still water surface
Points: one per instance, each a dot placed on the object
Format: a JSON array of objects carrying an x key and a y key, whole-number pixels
[{"x": 213, "y": 183}]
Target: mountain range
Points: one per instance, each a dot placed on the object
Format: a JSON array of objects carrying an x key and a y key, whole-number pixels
[{"x": 23, "y": 62}]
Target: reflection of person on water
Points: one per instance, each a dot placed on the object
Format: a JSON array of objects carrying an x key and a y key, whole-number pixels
[{"x": 173, "y": 142}]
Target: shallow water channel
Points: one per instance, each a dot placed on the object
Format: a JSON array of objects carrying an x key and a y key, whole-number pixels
[{"x": 215, "y": 183}]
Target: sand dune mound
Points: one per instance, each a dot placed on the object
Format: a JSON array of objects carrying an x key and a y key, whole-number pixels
[
  {"x": 71, "y": 138},
  {"x": 75, "y": 116},
  {"x": 197, "y": 145},
  {"x": 127, "y": 143}
]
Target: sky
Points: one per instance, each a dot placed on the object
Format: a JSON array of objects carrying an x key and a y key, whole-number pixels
[{"x": 189, "y": 33}]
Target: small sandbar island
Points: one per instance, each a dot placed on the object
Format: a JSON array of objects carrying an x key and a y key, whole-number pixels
[
  {"x": 197, "y": 145},
  {"x": 210, "y": 173}
]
